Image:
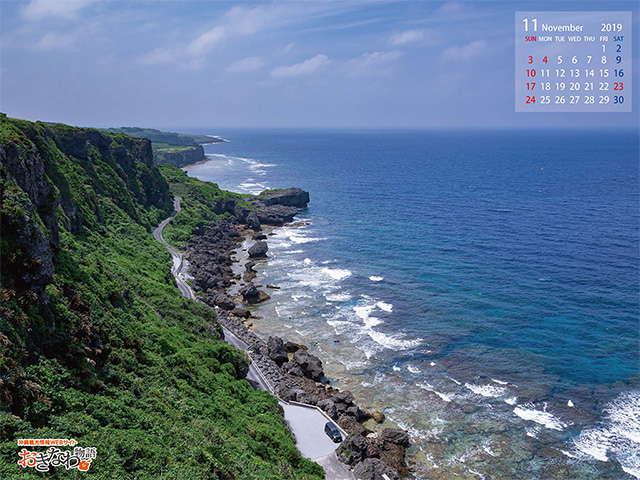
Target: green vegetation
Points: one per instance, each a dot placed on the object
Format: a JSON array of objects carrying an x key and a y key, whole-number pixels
[
  {"x": 157, "y": 136},
  {"x": 198, "y": 198},
  {"x": 169, "y": 147},
  {"x": 102, "y": 348}
]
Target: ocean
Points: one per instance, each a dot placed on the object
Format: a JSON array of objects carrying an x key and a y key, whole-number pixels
[{"x": 480, "y": 288}]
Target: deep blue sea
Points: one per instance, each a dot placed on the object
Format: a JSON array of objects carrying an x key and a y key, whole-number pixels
[{"x": 481, "y": 288}]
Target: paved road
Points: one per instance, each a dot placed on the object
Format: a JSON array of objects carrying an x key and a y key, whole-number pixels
[
  {"x": 307, "y": 424},
  {"x": 178, "y": 262}
]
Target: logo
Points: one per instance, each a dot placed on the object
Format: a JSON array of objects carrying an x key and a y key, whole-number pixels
[{"x": 80, "y": 457}]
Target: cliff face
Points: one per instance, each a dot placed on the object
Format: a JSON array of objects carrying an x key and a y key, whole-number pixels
[
  {"x": 180, "y": 157},
  {"x": 97, "y": 343}
]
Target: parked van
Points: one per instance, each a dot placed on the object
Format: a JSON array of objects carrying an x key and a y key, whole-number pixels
[{"x": 332, "y": 431}]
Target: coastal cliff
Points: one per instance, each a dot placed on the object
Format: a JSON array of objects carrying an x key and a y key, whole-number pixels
[
  {"x": 178, "y": 149},
  {"x": 180, "y": 156},
  {"x": 294, "y": 373},
  {"x": 98, "y": 344}
]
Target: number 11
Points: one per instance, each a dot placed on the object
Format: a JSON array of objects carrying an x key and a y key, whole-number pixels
[{"x": 526, "y": 24}]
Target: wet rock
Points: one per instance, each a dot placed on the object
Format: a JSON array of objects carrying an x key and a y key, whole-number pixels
[
  {"x": 258, "y": 249},
  {"x": 277, "y": 352},
  {"x": 249, "y": 273},
  {"x": 378, "y": 417},
  {"x": 353, "y": 450},
  {"x": 396, "y": 436},
  {"x": 259, "y": 236},
  {"x": 374, "y": 469},
  {"x": 291, "y": 347},
  {"x": 224, "y": 302},
  {"x": 241, "y": 312},
  {"x": 251, "y": 295}
]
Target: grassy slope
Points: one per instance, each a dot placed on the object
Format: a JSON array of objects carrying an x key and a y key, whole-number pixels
[
  {"x": 132, "y": 367},
  {"x": 197, "y": 197}
]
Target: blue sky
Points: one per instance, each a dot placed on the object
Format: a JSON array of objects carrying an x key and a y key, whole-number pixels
[{"x": 368, "y": 64}]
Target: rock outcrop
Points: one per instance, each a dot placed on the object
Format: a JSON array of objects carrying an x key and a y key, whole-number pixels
[
  {"x": 224, "y": 302},
  {"x": 258, "y": 249},
  {"x": 374, "y": 469},
  {"x": 353, "y": 450},
  {"x": 251, "y": 295},
  {"x": 303, "y": 364},
  {"x": 277, "y": 353},
  {"x": 181, "y": 155}
]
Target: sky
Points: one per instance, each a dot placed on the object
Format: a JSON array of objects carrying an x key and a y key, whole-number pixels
[{"x": 294, "y": 64}]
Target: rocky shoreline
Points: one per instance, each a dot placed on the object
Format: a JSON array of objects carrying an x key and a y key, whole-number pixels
[{"x": 294, "y": 373}]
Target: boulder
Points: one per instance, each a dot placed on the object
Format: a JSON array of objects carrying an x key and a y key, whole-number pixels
[
  {"x": 293, "y": 368},
  {"x": 251, "y": 295},
  {"x": 353, "y": 450},
  {"x": 396, "y": 436},
  {"x": 241, "y": 312},
  {"x": 224, "y": 302},
  {"x": 310, "y": 364},
  {"x": 291, "y": 347},
  {"x": 374, "y": 469},
  {"x": 351, "y": 426},
  {"x": 309, "y": 399},
  {"x": 277, "y": 352},
  {"x": 359, "y": 414},
  {"x": 276, "y": 214},
  {"x": 329, "y": 408},
  {"x": 258, "y": 249},
  {"x": 345, "y": 397},
  {"x": 378, "y": 417},
  {"x": 253, "y": 221}
]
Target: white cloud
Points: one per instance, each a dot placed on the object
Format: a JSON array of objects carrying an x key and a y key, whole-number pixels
[
  {"x": 408, "y": 36},
  {"x": 372, "y": 62},
  {"x": 303, "y": 68},
  {"x": 38, "y": 9},
  {"x": 160, "y": 56},
  {"x": 465, "y": 52},
  {"x": 450, "y": 7},
  {"x": 55, "y": 40},
  {"x": 245, "y": 65},
  {"x": 206, "y": 41}
]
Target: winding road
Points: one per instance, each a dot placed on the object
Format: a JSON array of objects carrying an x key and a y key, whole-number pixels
[{"x": 306, "y": 423}]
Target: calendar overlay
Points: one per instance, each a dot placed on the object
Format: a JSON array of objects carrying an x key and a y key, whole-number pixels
[{"x": 573, "y": 62}]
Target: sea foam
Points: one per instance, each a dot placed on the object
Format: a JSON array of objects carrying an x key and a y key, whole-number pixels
[
  {"x": 529, "y": 412},
  {"x": 617, "y": 436},
  {"x": 487, "y": 390}
]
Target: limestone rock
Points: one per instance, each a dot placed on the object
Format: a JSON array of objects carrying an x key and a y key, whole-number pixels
[
  {"x": 396, "y": 436},
  {"x": 277, "y": 352},
  {"x": 373, "y": 469},
  {"x": 258, "y": 249},
  {"x": 224, "y": 302},
  {"x": 353, "y": 450}
]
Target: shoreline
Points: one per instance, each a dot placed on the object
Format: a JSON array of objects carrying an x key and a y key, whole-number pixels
[{"x": 216, "y": 257}]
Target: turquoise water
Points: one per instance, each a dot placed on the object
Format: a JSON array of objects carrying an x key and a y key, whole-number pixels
[{"x": 480, "y": 288}]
